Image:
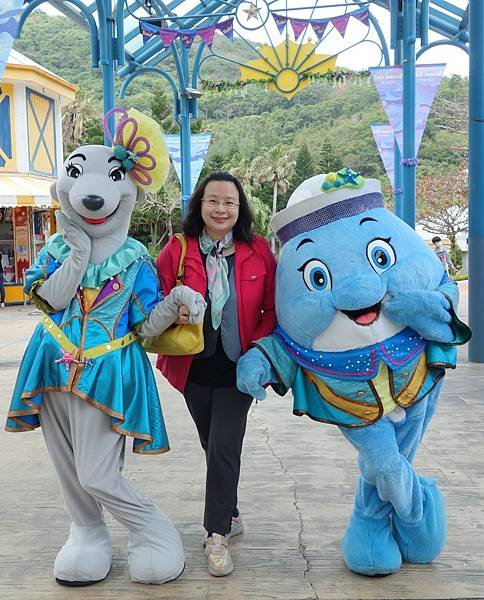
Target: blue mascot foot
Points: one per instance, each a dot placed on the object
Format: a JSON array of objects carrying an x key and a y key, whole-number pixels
[
  {"x": 423, "y": 541},
  {"x": 369, "y": 548}
]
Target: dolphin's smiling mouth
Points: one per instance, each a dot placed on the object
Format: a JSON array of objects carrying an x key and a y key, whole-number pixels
[{"x": 364, "y": 316}]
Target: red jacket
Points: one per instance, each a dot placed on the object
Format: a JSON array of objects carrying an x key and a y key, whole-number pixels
[{"x": 255, "y": 268}]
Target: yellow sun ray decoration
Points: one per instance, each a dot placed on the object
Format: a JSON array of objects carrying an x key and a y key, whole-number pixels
[{"x": 287, "y": 66}]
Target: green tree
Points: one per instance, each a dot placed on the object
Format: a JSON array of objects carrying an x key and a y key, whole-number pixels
[
  {"x": 276, "y": 167},
  {"x": 304, "y": 167},
  {"x": 329, "y": 158}
]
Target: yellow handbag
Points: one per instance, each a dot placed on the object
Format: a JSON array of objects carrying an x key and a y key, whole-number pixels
[{"x": 177, "y": 340}]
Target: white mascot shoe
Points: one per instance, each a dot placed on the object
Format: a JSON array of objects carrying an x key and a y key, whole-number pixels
[
  {"x": 86, "y": 556},
  {"x": 155, "y": 554}
]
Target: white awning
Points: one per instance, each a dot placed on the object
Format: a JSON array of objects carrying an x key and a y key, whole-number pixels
[{"x": 25, "y": 190}]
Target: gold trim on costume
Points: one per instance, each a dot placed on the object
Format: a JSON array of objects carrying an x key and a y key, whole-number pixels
[{"x": 363, "y": 410}]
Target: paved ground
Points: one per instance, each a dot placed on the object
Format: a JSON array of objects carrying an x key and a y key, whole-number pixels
[{"x": 296, "y": 492}]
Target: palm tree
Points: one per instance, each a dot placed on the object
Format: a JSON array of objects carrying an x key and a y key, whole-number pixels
[{"x": 276, "y": 168}]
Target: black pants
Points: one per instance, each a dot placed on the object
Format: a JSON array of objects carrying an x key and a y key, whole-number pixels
[
  {"x": 2, "y": 289},
  {"x": 220, "y": 415}
]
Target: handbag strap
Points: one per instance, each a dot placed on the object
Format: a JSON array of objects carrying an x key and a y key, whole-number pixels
[{"x": 181, "y": 263}]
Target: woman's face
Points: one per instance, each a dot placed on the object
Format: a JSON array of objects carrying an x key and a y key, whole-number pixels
[{"x": 220, "y": 208}]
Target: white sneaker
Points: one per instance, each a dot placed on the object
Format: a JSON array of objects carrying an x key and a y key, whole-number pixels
[
  {"x": 2, "y": 304},
  {"x": 219, "y": 559},
  {"x": 236, "y": 528}
]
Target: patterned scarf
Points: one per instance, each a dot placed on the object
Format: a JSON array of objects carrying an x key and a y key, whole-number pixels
[{"x": 217, "y": 273}]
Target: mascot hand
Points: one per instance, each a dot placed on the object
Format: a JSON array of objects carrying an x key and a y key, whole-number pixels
[
  {"x": 253, "y": 371},
  {"x": 183, "y": 295},
  {"x": 75, "y": 237},
  {"x": 427, "y": 313}
]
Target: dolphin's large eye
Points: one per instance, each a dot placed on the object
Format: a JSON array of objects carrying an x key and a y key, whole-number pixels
[
  {"x": 316, "y": 275},
  {"x": 381, "y": 255},
  {"x": 117, "y": 174},
  {"x": 74, "y": 171}
]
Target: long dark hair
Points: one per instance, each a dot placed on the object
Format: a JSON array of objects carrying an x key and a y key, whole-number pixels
[{"x": 193, "y": 224}]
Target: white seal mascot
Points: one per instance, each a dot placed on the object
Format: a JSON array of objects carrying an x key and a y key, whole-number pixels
[{"x": 85, "y": 378}]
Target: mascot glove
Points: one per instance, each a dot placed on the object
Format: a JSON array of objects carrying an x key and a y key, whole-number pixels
[
  {"x": 75, "y": 237},
  {"x": 165, "y": 313},
  {"x": 427, "y": 313},
  {"x": 253, "y": 372},
  {"x": 182, "y": 294}
]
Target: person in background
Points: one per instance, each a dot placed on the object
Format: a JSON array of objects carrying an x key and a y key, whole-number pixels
[
  {"x": 443, "y": 255},
  {"x": 2, "y": 283},
  {"x": 234, "y": 269}
]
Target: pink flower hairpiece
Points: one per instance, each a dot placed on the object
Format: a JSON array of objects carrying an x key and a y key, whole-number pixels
[{"x": 134, "y": 150}]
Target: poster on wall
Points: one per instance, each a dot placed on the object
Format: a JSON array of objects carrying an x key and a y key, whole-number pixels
[{"x": 21, "y": 241}]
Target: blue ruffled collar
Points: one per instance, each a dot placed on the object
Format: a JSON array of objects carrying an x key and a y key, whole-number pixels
[
  {"x": 96, "y": 275},
  {"x": 360, "y": 364}
]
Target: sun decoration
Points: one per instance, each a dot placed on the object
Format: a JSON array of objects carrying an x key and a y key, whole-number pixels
[{"x": 288, "y": 66}]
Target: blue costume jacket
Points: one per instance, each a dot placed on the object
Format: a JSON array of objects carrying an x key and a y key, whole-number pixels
[
  {"x": 91, "y": 349},
  {"x": 358, "y": 387}
]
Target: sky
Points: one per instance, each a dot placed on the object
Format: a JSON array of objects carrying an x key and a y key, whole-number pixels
[{"x": 363, "y": 55}]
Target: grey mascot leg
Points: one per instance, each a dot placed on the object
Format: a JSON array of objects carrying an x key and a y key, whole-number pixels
[{"x": 88, "y": 457}]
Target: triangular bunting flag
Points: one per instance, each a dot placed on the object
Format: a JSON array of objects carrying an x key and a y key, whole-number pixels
[
  {"x": 280, "y": 21},
  {"x": 187, "y": 36},
  {"x": 384, "y": 139},
  {"x": 363, "y": 16},
  {"x": 148, "y": 31},
  {"x": 207, "y": 34},
  {"x": 389, "y": 85},
  {"x": 319, "y": 27},
  {"x": 340, "y": 23},
  {"x": 298, "y": 26},
  {"x": 167, "y": 36},
  {"x": 199, "y": 146},
  {"x": 227, "y": 28}
]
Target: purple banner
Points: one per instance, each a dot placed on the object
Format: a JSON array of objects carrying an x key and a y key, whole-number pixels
[
  {"x": 389, "y": 84},
  {"x": 207, "y": 34},
  {"x": 362, "y": 16},
  {"x": 298, "y": 26},
  {"x": 227, "y": 28},
  {"x": 148, "y": 31},
  {"x": 187, "y": 36},
  {"x": 280, "y": 21},
  {"x": 340, "y": 23},
  {"x": 167, "y": 36},
  {"x": 384, "y": 140},
  {"x": 319, "y": 27}
]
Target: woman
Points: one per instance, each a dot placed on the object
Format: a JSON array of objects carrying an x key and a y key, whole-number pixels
[
  {"x": 2, "y": 286},
  {"x": 234, "y": 270}
]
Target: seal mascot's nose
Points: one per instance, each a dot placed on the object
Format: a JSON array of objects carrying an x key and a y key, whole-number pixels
[{"x": 92, "y": 202}]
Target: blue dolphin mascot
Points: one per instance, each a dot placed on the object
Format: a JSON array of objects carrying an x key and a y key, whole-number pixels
[{"x": 366, "y": 328}]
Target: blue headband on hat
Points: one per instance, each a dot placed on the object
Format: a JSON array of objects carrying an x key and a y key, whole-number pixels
[{"x": 327, "y": 214}]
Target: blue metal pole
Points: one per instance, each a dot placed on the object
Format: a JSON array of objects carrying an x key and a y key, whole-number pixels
[
  {"x": 476, "y": 180},
  {"x": 185, "y": 146},
  {"x": 397, "y": 156},
  {"x": 106, "y": 34},
  {"x": 409, "y": 170}
]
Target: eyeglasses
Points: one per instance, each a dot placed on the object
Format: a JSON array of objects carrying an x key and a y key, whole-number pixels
[{"x": 227, "y": 204}]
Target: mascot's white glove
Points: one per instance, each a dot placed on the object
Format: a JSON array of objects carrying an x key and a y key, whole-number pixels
[
  {"x": 427, "y": 313},
  {"x": 59, "y": 289},
  {"x": 165, "y": 312}
]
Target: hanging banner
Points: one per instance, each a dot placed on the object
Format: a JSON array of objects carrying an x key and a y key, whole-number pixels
[
  {"x": 389, "y": 84},
  {"x": 199, "y": 146},
  {"x": 384, "y": 139},
  {"x": 340, "y": 24},
  {"x": 319, "y": 27},
  {"x": 280, "y": 21},
  {"x": 167, "y": 35},
  {"x": 298, "y": 26},
  {"x": 10, "y": 11}
]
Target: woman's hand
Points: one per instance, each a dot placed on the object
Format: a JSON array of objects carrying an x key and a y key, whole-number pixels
[{"x": 183, "y": 315}]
